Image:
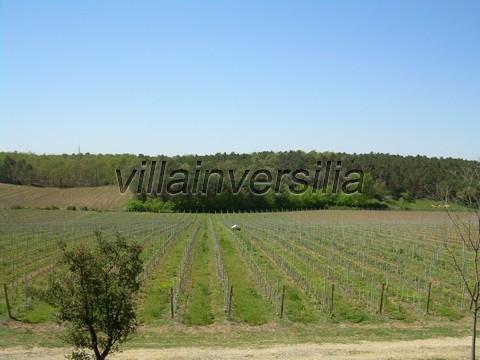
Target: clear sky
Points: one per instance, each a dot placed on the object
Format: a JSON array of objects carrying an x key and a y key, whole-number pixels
[{"x": 199, "y": 77}]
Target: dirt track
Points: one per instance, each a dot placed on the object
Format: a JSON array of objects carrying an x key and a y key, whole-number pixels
[{"x": 444, "y": 348}]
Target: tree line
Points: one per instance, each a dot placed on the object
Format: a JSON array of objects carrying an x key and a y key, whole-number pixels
[{"x": 386, "y": 176}]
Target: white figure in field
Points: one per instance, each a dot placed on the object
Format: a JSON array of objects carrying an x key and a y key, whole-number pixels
[{"x": 236, "y": 227}]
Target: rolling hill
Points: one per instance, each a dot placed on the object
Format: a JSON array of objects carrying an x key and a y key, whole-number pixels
[{"x": 101, "y": 197}]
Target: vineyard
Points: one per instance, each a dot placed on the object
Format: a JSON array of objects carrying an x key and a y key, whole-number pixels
[{"x": 305, "y": 267}]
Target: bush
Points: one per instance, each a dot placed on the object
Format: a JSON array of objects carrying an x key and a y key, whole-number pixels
[
  {"x": 150, "y": 205},
  {"x": 404, "y": 204},
  {"x": 156, "y": 205},
  {"x": 354, "y": 200},
  {"x": 71, "y": 207},
  {"x": 17, "y": 207},
  {"x": 83, "y": 208},
  {"x": 361, "y": 202},
  {"x": 374, "y": 204},
  {"x": 136, "y": 206}
]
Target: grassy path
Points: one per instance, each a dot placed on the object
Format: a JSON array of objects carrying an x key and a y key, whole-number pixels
[
  {"x": 154, "y": 298},
  {"x": 204, "y": 299},
  {"x": 248, "y": 305}
]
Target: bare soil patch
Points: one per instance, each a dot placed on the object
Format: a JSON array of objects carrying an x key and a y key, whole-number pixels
[{"x": 440, "y": 348}]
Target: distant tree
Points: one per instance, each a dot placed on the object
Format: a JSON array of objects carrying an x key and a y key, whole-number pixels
[
  {"x": 373, "y": 189},
  {"x": 391, "y": 175},
  {"x": 467, "y": 230},
  {"x": 96, "y": 295}
]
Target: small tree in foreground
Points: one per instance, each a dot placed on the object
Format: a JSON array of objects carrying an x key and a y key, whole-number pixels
[
  {"x": 467, "y": 231},
  {"x": 96, "y": 295}
]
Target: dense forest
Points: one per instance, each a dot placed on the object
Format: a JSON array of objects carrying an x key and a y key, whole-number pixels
[{"x": 386, "y": 176}]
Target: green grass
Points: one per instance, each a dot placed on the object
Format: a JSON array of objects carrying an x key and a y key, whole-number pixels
[
  {"x": 36, "y": 312},
  {"x": 248, "y": 305},
  {"x": 154, "y": 297},
  {"x": 297, "y": 307},
  {"x": 34, "y": 309},
  {"x": 276, "y": 333},
  {"x": 424, "y": 205},
  {"x": 203, "y": 299}
]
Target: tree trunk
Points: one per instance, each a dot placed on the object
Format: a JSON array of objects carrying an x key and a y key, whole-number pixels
[{"x": 474, "y": 331}]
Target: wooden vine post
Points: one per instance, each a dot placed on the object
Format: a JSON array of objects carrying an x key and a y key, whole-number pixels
[
  {"x": 282, "y": 302},
  {"x": 172, "y": 310},
  {"x": 230, "y": 295},
  {"x": 9, "y": 310},
  {"x": 331, "y": 298},
  {"x": 429, "y": 290},
  {"x": 380, "y": 310}
]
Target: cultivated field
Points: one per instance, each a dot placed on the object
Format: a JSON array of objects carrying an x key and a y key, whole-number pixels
[
  {"x": 284, "y": 278},
  {"x": 101, "y": 197}
]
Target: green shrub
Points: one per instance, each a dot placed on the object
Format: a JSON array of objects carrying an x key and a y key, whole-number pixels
[
  {"x": 150, "y": 205},
  {"x": 136, "y": 205},
  {"x": 374, "y": 204},
  {"x": 360, "y": 201},
  {"x": 17, "y": 207},
  {"x": 71, "y": 207}
]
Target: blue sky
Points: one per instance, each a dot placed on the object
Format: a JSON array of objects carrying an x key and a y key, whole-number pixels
[{"x": 182, "y": 77}]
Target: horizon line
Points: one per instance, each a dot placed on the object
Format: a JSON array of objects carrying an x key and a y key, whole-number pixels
[{"x": 238, "y": 153}]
